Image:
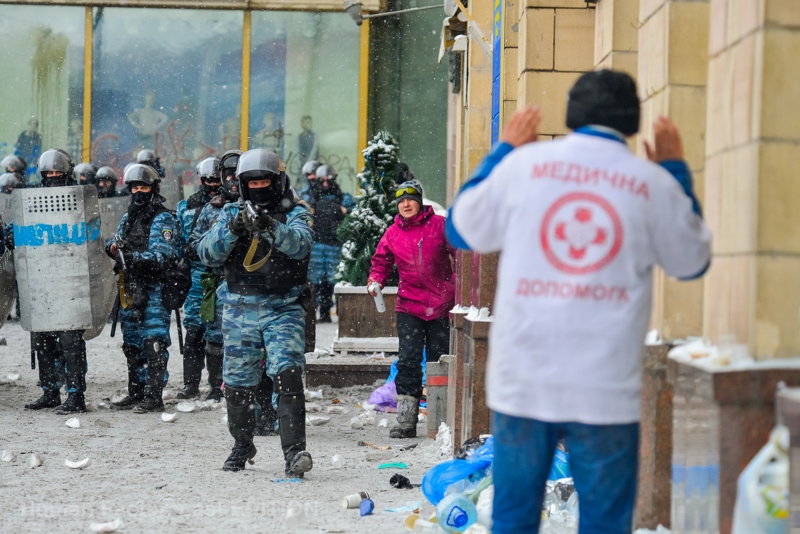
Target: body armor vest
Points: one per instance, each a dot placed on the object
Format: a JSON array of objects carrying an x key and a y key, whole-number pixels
[
  {"x": 136, "y": 233},
  {"x": 278, "y": 275}
]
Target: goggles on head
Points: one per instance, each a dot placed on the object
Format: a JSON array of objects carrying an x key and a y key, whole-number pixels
[{"x": 407, "y": 191}]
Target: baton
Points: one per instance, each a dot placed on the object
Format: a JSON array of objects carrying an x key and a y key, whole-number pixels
[
  {"x": 115, "y": 316},
  {"x": 33, "y": 352},
  {"x": 180, "y": 330}
]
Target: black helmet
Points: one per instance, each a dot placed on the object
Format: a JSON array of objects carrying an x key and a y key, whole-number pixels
[
  {"x": 106, "y": 174},
  {"x": 261, "y": 164},
  {"x": 147, "y": 157},
  {"x": 14, "y": 164},
  {"x": 85, "y": 169},
  {"x": 208, "y": 169},
  {"x": 56, "y": 160},
  {"x": 326, "y": 171},
  {"x": 10, "y": 181},
  {"x": 141, "y": 173},
  {"x": 310, "y": 167},
  {"x": 227, "y": 171}
]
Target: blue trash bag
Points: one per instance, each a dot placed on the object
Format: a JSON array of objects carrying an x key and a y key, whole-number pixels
[
  {"x": 393, "y": 371},
  {"x": 475, "y": 467},
  {"x": 560, "y": 468}
]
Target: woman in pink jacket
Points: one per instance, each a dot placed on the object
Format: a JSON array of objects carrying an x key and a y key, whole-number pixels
[{"x": 416, "y": 243}]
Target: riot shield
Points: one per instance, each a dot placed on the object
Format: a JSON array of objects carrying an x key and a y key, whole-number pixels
[
  {"x": 172, "y": 191},
  {"x": 5, "y": 208},
  {"x": 8, "y": 287},
  {"x": 63, "y": 275},
  {"x": 111, "y": 212}
]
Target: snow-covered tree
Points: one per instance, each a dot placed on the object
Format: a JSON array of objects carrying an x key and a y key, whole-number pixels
[{"x": 375, "y": 209}]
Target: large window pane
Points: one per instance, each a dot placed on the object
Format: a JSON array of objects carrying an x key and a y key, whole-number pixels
[
  {"x": 304, "y": 90},
  {"x": 168, "y": 79},
  {"x": 41, "y": 96}
]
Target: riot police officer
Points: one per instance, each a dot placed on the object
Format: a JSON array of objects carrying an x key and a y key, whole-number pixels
[
  {"x": 149, "y": 158},
  {"x": 195, "y": 349},
  {"x": 310, "y": 172},
  {"x": 85, "y": 173},
  {"x": 10, "y": 181},
  {"x": 263, "y": 242},
  {"x": 145, "y": 247},
  {"x": 16, "y": 165},
  {"x": 61, "y": 355},
  {"x": 106, "y": 181}
]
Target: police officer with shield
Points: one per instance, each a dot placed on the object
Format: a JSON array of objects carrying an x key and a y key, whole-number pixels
[
  {"x": 16, "y": 165},
  {"x": 263, "y": 243},
  {"x": 106, "y": 181},
  {"x": 198, "y": 346},
  {"x": 145, "y": 247},
  {"x": 61, "y": 355}
]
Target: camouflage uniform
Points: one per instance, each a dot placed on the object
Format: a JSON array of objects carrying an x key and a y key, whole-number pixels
[
  {"x": 186, "y": 219},
  {"x": 209, "y": 216}
]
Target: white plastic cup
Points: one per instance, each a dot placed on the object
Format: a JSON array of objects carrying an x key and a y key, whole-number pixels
[
  {"x": 379, "y": 304},
  {"x": 354, "y": 500},
  {"x": 337, "y": 461},
  {"x": 295, "y": 516}
]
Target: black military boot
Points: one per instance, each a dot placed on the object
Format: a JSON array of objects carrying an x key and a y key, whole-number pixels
[
  {"x": 135, "y": 389},
  {"x": 193, "y": 355},
  {"x": 241, "y": 425},
  {"x": 156, "y": 365},
  {"x": 407, "y": 417},
  {"x": 50, "y": 399},
  {"x": 292, "y": 422},
  {"x": 214, "y": 356},
  {"x": 73, "y": 350},
  {"x": 265, "y": 423}
]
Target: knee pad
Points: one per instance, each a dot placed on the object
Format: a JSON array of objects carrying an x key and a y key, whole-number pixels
[
  {"x": 214, "y": 349},
  {"x": 194, "y": 336},
  {"x": 239, "y": 397},
  {"x": 289, "y": 386}
]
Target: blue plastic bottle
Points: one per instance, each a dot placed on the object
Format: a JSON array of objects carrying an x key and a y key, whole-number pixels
[{"x": 456, "y": 513}]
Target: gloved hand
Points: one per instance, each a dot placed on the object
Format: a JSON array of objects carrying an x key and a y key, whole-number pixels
[
  {"x": 237, "y": 225},
  {"x": 265, "y": 222},
  {"x": 129, "y": 258},
  {"x": 8, "y": 239}
]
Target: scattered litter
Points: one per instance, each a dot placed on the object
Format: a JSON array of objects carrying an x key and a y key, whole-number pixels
[
  {"x": 456, "y": 513},
  {"x": 368, "y": 444},
  {"x": 409, "y": 507},
  {"x": 169, "y": 417},
  {"x": 393, "y": 465},
  {"x": 8, "y": 456},
  {"x": 80, "y": 464},
  {"x": 378, "y": 456},
  {"x": 405, "y": 447},
  {"x": 311, "y": 395},
  {"x": 337, "y": 410},
  {"x": 162, "y": 486},
  {"x": 383, "y": 423},
  {"x": 337, "y": 461},
  {"x": 313, "y": 408},
  {"x": 287, "y": 480},
  {"x": 420, "y": 525},
  {"x": 378, "y": 356},
  {"x": 356, "y": 423},
  {"x": 399, "y": 481},
  {"x": 336, "y": 401},
  {"x": 103, "y": 405},
  {"x": 317, "y": 420},
  {"x": 12, "y": 377},
  {"x": 36, "y": 460},
  {"x": 73, "y": 422},
  {"x": 366, "y": 507},
  {"x": 112, "y": 526},
  {"x": 91, "y": 406},
  {"x": 116, "y": 398},
  {"x": 354, "y": 500},
  {"x": 186, "y": 407},
  {"x": 295, "y": 516},
  {"x": 410, "y": 521},
  {"x": 444, "y": 442},
  {"x": 168, "y": 394}
]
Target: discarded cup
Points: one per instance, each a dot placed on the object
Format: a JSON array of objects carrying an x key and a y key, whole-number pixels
[
  {"x": 35, "y": 460},
  {"x": 337, "y": 410},
  {"x": 295, "y": 516},
  {"x": 73, "y": 422},
  {"x": 356, "y": 423},
  {"x": 8, "y": 456},
  {"x": 354, "y": 500},
  {"x": 383, "y": 423},
  {"x": 366, "y": 507},
  {"x": 337, "y": 461}
]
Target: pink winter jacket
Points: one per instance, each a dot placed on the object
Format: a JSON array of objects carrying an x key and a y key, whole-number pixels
[{"x": 422, "y": 253}]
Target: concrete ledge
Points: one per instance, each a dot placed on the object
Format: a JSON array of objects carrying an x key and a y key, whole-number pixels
[
  {"x": 366, "y": 344},
  {"x": 339, "y": 375},
  {"x": 361, "y": 290}
]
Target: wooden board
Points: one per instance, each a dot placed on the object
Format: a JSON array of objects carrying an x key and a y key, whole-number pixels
[{"x": 358, "y": 316}]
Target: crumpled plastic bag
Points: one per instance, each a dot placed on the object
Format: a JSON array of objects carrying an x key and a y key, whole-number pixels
[
  {"x": 473, "y": 468},
  {"x": 383, "y": 397}
]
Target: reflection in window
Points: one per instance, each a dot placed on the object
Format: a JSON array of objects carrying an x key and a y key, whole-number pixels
[
  {"x": 41, "y": 97},
  {"x": 168, "y": 79},
  {"x": 304, "y": 90}
]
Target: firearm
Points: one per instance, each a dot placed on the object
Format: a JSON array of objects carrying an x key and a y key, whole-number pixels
[
  {"x": 251, "y": 214},
  {"x": 34, "y": 348}
]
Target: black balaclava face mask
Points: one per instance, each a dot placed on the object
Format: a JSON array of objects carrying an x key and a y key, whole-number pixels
[
  {"x": 209, "y": 189},
  {"x": 141, "y": 198},
  {"x": 105, "y": 187},
  {"x": 231, "y": 189},
  {"x": 262, "y": 196},
  {"x": 55, "y": 181}
]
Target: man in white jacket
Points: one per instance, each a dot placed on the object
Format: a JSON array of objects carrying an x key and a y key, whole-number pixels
[{"x": 580, "y": 222}]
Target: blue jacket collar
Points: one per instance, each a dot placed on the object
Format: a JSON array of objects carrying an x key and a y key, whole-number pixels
[{"x": 602, "y": 131}]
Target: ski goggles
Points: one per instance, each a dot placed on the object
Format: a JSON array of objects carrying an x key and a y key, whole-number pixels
[{"x": 407, "y": 191}]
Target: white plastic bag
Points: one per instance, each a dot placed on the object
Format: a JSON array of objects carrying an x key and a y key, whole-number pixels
[{"x": 762, "y": 496}]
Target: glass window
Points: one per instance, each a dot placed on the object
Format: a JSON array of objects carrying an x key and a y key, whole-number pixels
[
  {"x": 41, "y": 97},
  {"x": 304, "y": 90},
  {"x": 169, "y": 80}
]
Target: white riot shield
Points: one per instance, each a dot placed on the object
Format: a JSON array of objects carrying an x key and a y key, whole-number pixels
[
  {"x": 111, "y": 212},
  {"x": 5, "y": 208},
  {"x": 63, "y": 275},
  {"x": 172, "y": 190},
  {"x": 8, "y": 287}
]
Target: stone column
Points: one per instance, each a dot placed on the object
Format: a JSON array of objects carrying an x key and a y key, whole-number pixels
[
  {"x": 673, "y": 67},
  {"x": 616, "y": 36},
  {"x": 752, "y": 187},
  {"x": 476, "y": 418}
]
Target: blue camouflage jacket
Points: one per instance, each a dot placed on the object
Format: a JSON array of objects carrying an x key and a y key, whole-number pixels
[
  {"x": 186, "y": 221},
  {"x": 207, "y": 219},
  {"x": 162, "y": 248}
]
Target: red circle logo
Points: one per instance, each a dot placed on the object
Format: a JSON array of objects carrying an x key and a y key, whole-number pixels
[{"x": 581, "y": 233}]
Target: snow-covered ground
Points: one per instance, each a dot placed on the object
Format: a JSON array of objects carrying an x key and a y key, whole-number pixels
[{"x": 162, "y": 477}]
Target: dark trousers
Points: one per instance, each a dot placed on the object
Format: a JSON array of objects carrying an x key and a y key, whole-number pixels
[
  {"x": 416, "y": 334},
  {"x": 61, "y": 352}
]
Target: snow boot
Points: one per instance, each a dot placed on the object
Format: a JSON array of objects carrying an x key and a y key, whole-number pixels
[
  {"x": 214, "y": 355},
  {"x": 75, "y": 404},
  {"x": 156, "y": 365},
  {"x": 50, "y": 399},
  {"x": 407, "y": 418},
  {"x": 265, "y": 423},
  {"x": 193, "y": 356},
  {"x": 292, "y": 422},
  {"x": 241, "y": 425},
  {"x": 135, "y": 389}
]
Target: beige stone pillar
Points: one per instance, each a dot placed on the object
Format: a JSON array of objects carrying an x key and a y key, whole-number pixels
[
  {"x": 556, "y": 45},
  {"x": 673, "y": 67},
  {"x": 752, "y": 186},
  {"x": 616, "y": 36}
]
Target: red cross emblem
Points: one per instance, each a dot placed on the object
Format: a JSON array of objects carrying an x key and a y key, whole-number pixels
[{"x": 581, "y": 233}]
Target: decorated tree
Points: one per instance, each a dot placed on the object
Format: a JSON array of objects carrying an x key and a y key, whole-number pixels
[{"x": 375, "y": 209}]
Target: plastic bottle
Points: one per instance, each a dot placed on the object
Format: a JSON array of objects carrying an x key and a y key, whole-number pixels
[
  {"x": 379, "y": 304},
  {"x": 456, "y": 513}
]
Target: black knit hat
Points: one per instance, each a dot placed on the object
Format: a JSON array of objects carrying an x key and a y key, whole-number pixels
[{"x": 605, "y": 98}]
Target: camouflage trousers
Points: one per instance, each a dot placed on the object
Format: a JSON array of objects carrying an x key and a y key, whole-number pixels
[
  {"x": 262, "y": 334},
  {"x": 153, "y": 322},
  {"x": 213, "y": 332},
  {"x": 191, "y": 308}
]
